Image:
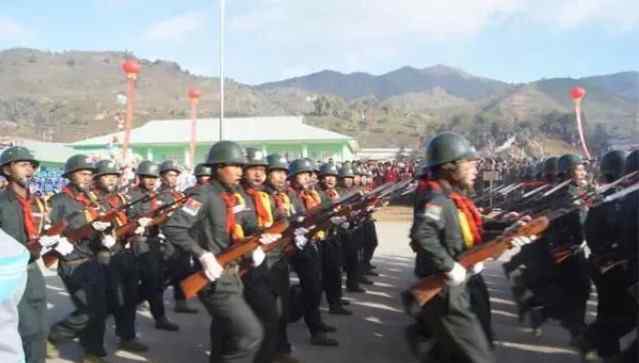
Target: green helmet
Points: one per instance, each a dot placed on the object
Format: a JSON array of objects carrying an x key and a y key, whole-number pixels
[
  {"x": 277, "y": 162},
  {"x": 568, "y": 162},
  {"x": 612, "y": 164},
  {"x": 77, "y": 162},
  {"x": 148, "y": 168},
  {"x": 328, "y": 169},
  {"x": 170, "y": 165},
  {"x": 106, "y": 167},
  {"x": 17, "y": 153},
  {"x": 314, "y": 167},
  {"x": 226, "y": 152},
  {"x": 300, "y": 166},
  {"x": 203, "y": 170},
  {"x": 255, "y": 157},
  {"x": 551, "y": 166},
  {"x": 346, "y": 172},
  {"x": 632, "y": 162},
  {"x": 448, "y": 147},
  {"x": 359, "y": 171}
]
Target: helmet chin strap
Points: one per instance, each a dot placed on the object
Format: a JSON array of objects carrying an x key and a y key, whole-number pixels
[{"x": 22, "y": 182}]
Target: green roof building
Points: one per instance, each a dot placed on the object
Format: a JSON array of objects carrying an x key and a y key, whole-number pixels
[{"x": 170, "y": 139}]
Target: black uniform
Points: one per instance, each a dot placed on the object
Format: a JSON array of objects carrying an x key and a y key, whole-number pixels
[
  {"x": 150, "y": 252},
  {"x": 332, "y": 261},
  {"x": 84, "y": 277},
  {"x": 199, "y": 227},
  {"x": 352, "y": 242},
  {"x": 437, "y": 236},
  {"x": 33, "y": 327}
]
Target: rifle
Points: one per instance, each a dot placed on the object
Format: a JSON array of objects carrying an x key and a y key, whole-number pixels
[
  {"x": 197, "y": 281},
  {"x": 35, "y": 247},
  {"x": 158, "y": 216},
  {"x": 561, "y": 253},
  {"x": 425, "y": 289},
  {"x": 86, "y": 230}
]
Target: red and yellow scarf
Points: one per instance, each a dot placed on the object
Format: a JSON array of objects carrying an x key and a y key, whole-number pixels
[{"x": 470, "y": 220}]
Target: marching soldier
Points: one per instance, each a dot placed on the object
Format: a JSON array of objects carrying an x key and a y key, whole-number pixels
[
  {"x": 203, "y": 174},
  {"x": 616, "y": 309},
  {"x": 307, "y": 261},
  {"x": 83, "y": 271},
  {"x": 23, "y": 217},
  {"x": 350, "y": 241},
  {"x": 123, "y": 274},
  {"x": 446, "y": 223},
  {"x": 286, "y": 206},
  {"x": 176, "y": 265},
  {"x": 205, "y": 226},
  {"x": 332, "y": 247},
  {"x": 148, "y": 248}
]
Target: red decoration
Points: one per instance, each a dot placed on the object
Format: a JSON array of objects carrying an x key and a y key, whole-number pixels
[
  {"x": 577, "y": 93},
  {"x": 131, "y": 67},
  {"x": 194, "y": 93}
]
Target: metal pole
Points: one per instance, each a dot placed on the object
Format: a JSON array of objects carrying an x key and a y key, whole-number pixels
[
  {"x": 193, "y": 131},
  {"x": 221, "y": 69},
  {"x": 129, "y": 116}
]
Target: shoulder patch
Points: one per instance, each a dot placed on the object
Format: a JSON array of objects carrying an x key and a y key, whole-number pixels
[
  {"x": 192, "y": 207},
  {"x": 433, "y": 211}
]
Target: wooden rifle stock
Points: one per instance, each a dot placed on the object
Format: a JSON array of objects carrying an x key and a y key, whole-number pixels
[
  {"x": 197, "y": 281},
  {"x": 427, "y": 288},
  {"x": 35, "y": 247},
  {"x": 158, "y": 216}
]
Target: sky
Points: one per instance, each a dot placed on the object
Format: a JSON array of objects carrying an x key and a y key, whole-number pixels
[{"x": 270, "y": 40}]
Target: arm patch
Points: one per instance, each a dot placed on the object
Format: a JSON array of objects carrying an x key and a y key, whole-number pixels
[
  {"x": 433, "y": 211},
  {"x": 192, "y": 207}
]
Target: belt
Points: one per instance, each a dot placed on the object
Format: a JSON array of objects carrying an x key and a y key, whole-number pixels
[{"x": 74, "y": 263}]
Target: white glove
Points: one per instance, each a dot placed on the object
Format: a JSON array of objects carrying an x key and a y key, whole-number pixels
[
  {"x": 337, "y": 220},
  {"x": 108, "y": 241},
  {"x": 268, "y": 238},
  {"x": 139, "y": 230},
  {"x": 64, "y": 247},
  {"x": 345, "y": 225},
  {"x": 100, "y": 226},
  {"x": 457, "y": 275},
  {"x": 522, "y": 240},
  {"x": 300, "y": 241},
  {"x": 301, "y": 231},
  {"x": 49, "y": 241},
  {"x": 477, "y": 268},
  {"x": 212, "y": 269},
  {"x": 258, "y": 256},
  {"x": 144, "y": 221}
]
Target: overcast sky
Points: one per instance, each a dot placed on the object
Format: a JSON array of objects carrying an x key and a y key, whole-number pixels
[{"x": 268, "y": 40}]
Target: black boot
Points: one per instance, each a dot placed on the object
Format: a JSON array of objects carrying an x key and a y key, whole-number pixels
[{"x": 164, "y": 324}]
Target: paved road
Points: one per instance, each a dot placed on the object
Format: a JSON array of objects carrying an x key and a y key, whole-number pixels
[{"x": 375, "y": 333}]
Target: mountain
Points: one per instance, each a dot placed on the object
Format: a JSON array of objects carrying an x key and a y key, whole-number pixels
[
  {"x": 68, "y": 96},
  {"x": 403, "y": 80},
  {"x": 71, "y": 95}
]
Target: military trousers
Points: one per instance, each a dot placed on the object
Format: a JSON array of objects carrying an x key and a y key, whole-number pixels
[
  {"x": 456, "y": 328},
  {"x": 236, "y": 332},
  {"x": 308, "y": 267},
  {"x": 332, "y": 270},
  {"x": 32, "y": 312}
]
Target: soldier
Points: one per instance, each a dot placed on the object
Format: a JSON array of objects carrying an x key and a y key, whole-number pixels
[
  {"x": 23, "y": 217},
  {"x": 277, "y": 173},
  {"x": 176, "y": 264},
  {"x": 307, "y": 261},
  {"x": 332, "y": 248},
  {"x": 123, "y": 274},
  {"x": 260, "y": 213},
  {"x": 205, "y": 226},
  {"x": 603, "y": 232},
  {"x": 369, "y": 234},
  {"x": 349, "y": 239},
  {"x": 148, "y": 248},
  {"x": 203, "y": 174},
  {"x": 446, "y": 223},
  {"x": 83, "y": 273}
]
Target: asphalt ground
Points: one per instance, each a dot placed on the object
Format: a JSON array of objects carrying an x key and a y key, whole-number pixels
[{"x": 374, "y": 334}]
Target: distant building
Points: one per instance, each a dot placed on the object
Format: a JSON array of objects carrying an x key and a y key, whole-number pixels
[
  {"x": 50, "y": 154},
  {"x": 170, "y": 139},
  {"x": 382, "y": 153}
]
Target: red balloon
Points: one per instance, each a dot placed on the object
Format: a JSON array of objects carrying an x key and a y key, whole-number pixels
[
  {"x": 131, "y": 66},
  {"x": 577, "y": 93},
  {"x": 194, "y": 93}
]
